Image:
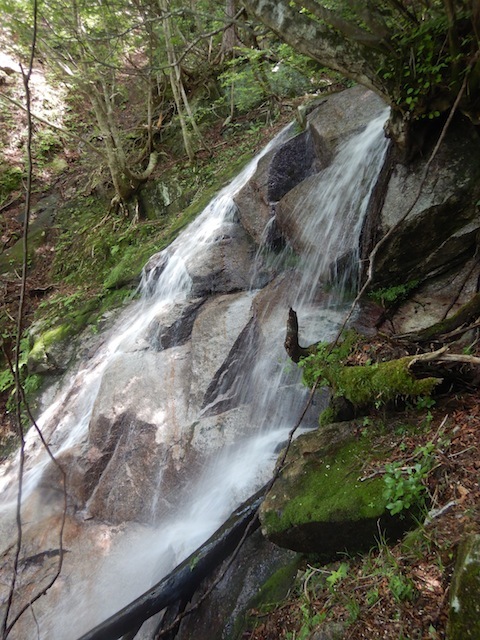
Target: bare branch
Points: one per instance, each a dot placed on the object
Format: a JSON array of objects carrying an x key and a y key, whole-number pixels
[{"x": 19, "y": 328}]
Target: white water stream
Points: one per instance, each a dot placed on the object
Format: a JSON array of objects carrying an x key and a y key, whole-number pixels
[{"x": 137, "y": 555}]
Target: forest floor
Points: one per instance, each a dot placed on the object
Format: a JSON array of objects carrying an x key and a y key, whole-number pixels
[{"x": 401, "y": 590}]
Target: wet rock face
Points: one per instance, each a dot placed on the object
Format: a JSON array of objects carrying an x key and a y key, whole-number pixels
[
  {"x": 227, "y": 267},
  {"x": 291, "y": 164},
  {"x": 278, "y": 173}
]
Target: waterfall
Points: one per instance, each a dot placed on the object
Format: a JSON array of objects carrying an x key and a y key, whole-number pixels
[{"x": 252, "y": 402}]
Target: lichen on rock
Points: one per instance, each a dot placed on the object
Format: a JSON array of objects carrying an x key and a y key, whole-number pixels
[{"x": 464, "y": 615}]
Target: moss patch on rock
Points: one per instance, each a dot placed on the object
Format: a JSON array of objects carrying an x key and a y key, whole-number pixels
[
  {"x": 464, "y": 615},
  {"x": 319, "y": 503}
]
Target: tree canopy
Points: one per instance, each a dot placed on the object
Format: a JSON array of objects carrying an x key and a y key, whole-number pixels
[{"x": 419, "y": 55}]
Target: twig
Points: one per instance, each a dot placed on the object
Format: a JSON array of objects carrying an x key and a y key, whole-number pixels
[
  {"x": 10, "y": 202},
  {"x": 15, "y": 367},
  {"x": 61, "y": 549},
  {"x": 21, "y": 305},
  {"x": 459, "y": 453},
  {"x": 464, "y": 282}
]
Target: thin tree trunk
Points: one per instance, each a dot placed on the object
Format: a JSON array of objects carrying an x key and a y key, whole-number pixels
[{"x": 175, "y": 78}]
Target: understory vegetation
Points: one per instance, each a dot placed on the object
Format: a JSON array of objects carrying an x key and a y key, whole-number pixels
[{"x": 398, "y": 589}]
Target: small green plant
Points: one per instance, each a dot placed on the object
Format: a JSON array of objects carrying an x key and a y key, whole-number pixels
[
  {"x": 404, "y": 484},
  {"x": 10, "y": 180},
  {"x": 309, "y": 621},
  {"x": 402, "y": 588},
  {"x": 425, "y": 402},
  {"x": 393, "y": 295},
  {"x": 353, "y": 609},
  {"x": 337, "y": 576},
  {"x": 373, "y": 596}
]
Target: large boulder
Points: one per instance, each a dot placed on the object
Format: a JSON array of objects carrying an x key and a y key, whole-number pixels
[
  {"x": 319, "y": 504},
  {"x": 137, "y": 436},
  {"x": 215, "y": 333},
  {"x": 277, "y": 172},
  {"x": 341, "y": 115},
  {"x": 226, "y": 265},
  {"x": 440, "y": 232}
]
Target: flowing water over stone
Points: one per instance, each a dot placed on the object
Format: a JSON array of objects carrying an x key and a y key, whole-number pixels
[{"x": 179, "y": 414}]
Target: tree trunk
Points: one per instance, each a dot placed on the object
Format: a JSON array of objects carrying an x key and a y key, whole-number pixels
[
  {"x": 229, "y": 39},
  {"x": 175, "y": 77}
]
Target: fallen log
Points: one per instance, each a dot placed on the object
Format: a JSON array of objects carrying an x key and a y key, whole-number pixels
[
  {"x": 185, "y": 579},
  {"x": 459, "y": 369}
]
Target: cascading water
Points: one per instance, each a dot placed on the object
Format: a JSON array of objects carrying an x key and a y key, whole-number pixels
[{"x": 232, "y": 424}]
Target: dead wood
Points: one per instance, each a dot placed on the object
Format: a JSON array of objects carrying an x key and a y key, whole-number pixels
[
  {"x": 292, "y": 347},
  {"x": 183, "y": 581}
]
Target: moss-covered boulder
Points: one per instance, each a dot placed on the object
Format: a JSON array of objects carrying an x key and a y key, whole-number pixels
[
  {"x": 319, "y": 503},
  {"x": 464, "y": 616},
  {"x": 52, "y": 350}
]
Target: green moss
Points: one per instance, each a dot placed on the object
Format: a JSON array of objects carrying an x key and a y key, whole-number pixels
[
  {"x": 48, "y": 338},
  {"x": 380, "y": 382},
  {"x": 330, "y": 491},
  {"x": 270, "y": 594},
  {"x": 327, "y": 416},
  {"x": 277, "y": 586},
  {"x": 396, "y": 294},
  {"x": 367, "y": 384},
  {"x": 10, "y": 180}
]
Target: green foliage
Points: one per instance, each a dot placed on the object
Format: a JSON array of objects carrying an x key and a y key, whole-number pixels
[
  {"x": 317, "y": 365},
  {"x": 254, "y": 75},
  {"x": 337, "y": 576},
  {"x": 10, "y": 180},
  {"x": 393, "y": 295},
  {"x": 31, "y": 382},
  {"x": 405, "y": 484},
  {"x": 309, "y": 621},
  {"x": 402, "y": 588}
]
